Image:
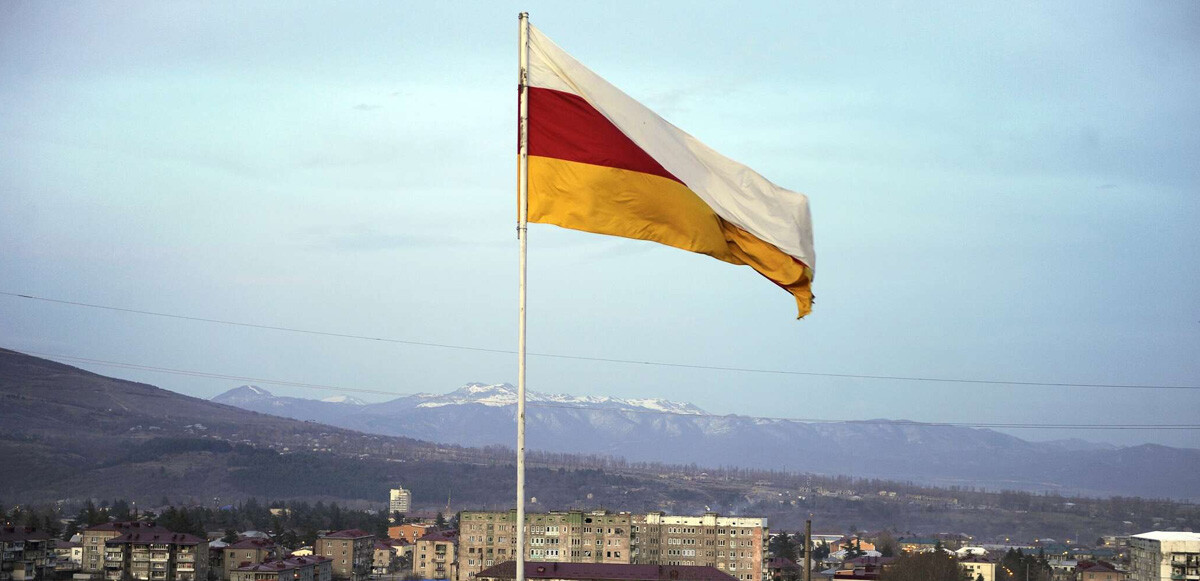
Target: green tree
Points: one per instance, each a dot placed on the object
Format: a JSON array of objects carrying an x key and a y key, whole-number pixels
[
  {"x": 440, "y": 521},
  {"x": 782, "y": 545}
]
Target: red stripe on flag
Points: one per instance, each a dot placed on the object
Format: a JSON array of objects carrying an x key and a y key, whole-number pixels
[{"x": 565, "y": 126}]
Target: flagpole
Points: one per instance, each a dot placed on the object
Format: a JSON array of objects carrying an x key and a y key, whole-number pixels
[{"x": 522, "y": 235}]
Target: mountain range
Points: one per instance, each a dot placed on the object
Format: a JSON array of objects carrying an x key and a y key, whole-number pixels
[{"x": 656, "y": 430}]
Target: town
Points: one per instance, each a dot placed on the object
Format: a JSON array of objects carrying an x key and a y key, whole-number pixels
[{"x": 250, "y": 541}]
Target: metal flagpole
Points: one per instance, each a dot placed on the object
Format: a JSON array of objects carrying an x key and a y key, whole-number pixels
[{"x": 522, "y": 235}]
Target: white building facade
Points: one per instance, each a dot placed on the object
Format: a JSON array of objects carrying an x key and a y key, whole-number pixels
[
  {"x": 399, "y": 501},
  {"x": 1164, "y": 556}
]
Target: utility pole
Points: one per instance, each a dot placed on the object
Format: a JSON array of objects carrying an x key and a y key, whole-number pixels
[{"x": 808, "y": 546}]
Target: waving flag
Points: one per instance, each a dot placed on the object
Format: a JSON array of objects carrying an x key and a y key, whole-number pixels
[{"x": 601, "y": 162}]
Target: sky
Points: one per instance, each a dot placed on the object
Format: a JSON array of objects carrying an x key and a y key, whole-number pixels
[{"x": 1002, "y": 191}]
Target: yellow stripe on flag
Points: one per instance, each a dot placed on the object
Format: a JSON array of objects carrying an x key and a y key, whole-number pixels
[
  {"x": 619, "y": 202},
  {"x": 631, "y": 204}
]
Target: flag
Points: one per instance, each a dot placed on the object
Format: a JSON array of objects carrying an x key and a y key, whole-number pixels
[{"x": 601, "y": 162}]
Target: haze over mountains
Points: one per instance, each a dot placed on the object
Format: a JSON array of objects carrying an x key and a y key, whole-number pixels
[
  {"x": 66, "y": 432},
  {"x": 656, "y": 430}
]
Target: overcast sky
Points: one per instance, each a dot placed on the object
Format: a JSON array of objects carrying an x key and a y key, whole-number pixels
[{"x": 999, "y": 191}]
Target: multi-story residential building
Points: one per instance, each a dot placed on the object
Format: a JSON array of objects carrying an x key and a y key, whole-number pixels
[
  {"x": 488, "y": 538},
  {"x": 435, "y": 556},
  {"x": 26, "y": 554},
  {"x": 95, "y": 537},
  {"x": 68, "y": 556},
  {"x": 1163, "y": 556},
  {"x": 541, "y": 571},
  {"x": 245, "y": 552},
  {"x": 350, "y": 550},
  {"x": 399, "y": 501},
  {"x": 291, "y": 569},
  {"x": 734, "y": 545},
  {"x": 410, "y": 531},
  {"x": 153, "y": 553},
  {"x": 387, "y": 556}
]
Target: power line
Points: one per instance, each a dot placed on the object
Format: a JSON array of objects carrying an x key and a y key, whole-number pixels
[
  {"x": 999, "y": 425},
  {"x": 605, "y": 359}
]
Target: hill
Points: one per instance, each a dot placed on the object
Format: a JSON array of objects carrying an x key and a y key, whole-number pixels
[
  {"x": 67, "y": 435},
  {"x": 654, "y": 430}
]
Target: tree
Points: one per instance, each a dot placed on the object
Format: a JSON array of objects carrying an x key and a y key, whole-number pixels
[
  {"x": 820, "y": 551},
  {"x": 853, "y": 549},
  {"x": 120, "y": 510},
  {"x": 886, "y": 544},
  {"x": 231, "y": 536},
  {"x": 783, "y": 546},
  {"x": 440, "y": 521},
  {"x": 935, "y": 566},
  {"x": 71, "y": 529}
]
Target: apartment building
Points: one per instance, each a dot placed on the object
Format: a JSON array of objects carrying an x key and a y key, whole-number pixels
[
  {"x": 399, "y": 501},
  {"x": 1164, "y": 556},
  {"x": 245, "y": 552},
  {"x": 26, "y": 554},
  {"x": 436, "y": 556},
  {"x": 488, "y": 538},
  {"x": 68, "y": 556},
  {"x": 313, "y": 568},
  {"x": 153, "y": 553},
  {"x": 351, "y": 551},
  {"x": 733, "y": 545},
  {"x": 601, "y": 572},
  {"x": 94, "y": 538}
]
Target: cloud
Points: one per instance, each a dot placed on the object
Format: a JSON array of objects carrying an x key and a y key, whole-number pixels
[{"x": 366, "y": 107}]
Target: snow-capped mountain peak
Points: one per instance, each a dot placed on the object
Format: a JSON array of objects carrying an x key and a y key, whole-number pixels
[
  {"x": 348, "y": 400},
  {"x": 503, "y": 394}
]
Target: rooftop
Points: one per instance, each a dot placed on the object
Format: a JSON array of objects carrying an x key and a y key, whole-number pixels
[
  {"x": 252, "y": 543},
  {"x": 348, "y": 534},
  {"x": 155, "y": 535},
  {"x": 1168, "y": 536},
  {"x": 441, "y": 536},
  {"x": 23, "y": 534}
]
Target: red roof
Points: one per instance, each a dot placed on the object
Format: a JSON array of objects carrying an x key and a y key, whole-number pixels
[
  {"x": 284, "y": 564},
  {"x": 122, "y": 526},
  {"x": 450, "y": 536},
  {"x": 23, "y": 534},
  {"x": 155, "y": 535},
  {"x": 607, "y": 571},
  {"x": 348, "y": 534},
  {"x": 1094, "y": 567}
]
